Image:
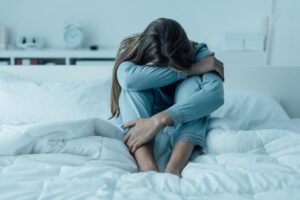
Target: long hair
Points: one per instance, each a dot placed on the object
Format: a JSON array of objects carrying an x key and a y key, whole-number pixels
[{"x": 163, "y": 43}]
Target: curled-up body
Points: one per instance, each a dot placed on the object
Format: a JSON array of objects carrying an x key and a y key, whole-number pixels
[{"x": 165, "y": 85}]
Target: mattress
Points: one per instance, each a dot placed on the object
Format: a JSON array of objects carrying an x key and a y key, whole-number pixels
[{"x": 238, "y": 164}]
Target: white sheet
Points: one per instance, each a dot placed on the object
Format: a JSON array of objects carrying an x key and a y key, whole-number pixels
[{"x": 254, "y": 164}]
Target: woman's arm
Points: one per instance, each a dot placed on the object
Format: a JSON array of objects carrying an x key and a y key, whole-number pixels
[
  {"x": 134, "y": 77},
  {"x": 203, "y": 102},
  {"x": 201, "y": 51},
  {"x": 205, "y": 61}
]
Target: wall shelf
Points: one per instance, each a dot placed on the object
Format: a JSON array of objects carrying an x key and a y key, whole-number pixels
[
  {"x": 56, "y": 57},
  {"x": 87, "y": 57},
  {"x": 4, "y": 61}
]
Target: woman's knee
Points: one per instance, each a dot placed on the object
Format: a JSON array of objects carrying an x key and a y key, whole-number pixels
[{"x": 187, "y": 87}]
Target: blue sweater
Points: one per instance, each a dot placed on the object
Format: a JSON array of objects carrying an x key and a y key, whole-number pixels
[{"x": 134, "y": 77}]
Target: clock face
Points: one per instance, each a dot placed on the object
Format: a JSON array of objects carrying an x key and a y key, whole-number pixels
[{"x": 73, "y": 37}]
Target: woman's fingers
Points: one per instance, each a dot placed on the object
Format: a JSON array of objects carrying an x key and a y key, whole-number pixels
[
  {"x": 134, "y": 143},
  {"x": 136, "y": 146},
  {"x": 129, "y": 124},
  {"x": 126, "y": 137},
  {"x": 219, "y": 61},
  {"x": 131, "y": 142},
  {"x": 220, "y": 73},
  {"x": 219, "y": 68}
]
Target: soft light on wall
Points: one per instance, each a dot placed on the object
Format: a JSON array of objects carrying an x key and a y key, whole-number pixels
[{"x": 105, "y": 23}]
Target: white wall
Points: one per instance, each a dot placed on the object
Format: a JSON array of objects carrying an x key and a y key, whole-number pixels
[
  {"x": 286, "y": 40},
  {"x": 106, "y": 22}
]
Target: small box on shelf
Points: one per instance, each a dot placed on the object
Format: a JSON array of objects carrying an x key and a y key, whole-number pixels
[
  {"x": 39, "y": 61},
  {"x": 4, "y": 61},
  {"x": 90, "y": 61}
]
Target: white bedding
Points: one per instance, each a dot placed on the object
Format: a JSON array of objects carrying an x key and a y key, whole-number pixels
[
  {"x": 254, "y": 153},
  {"x": 91, "y": 164}
]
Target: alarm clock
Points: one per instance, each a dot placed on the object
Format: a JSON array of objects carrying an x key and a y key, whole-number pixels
[{"x": 73, "y": 35}]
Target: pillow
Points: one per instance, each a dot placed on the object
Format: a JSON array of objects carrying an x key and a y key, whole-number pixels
[
  {"x": 23, "y": 101},
  {"x": 9, "y": 77},
  {"x": 292, "y": 125},
  {"x": 248, "y": 109},
  {"x": 220, "y": 123}
]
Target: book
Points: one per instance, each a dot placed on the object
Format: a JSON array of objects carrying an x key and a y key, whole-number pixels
[
  {"x": 25, "y": 61},
  {"x": 4, "y": 63}
]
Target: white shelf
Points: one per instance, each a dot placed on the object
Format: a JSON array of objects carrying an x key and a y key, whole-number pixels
[
  {"x": 68, "y": 56},
  {"x": 71, "y": 57},
  {"x": 45, "y": 53}
]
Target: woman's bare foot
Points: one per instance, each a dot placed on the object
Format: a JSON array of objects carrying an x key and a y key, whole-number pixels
[
  {"x": 179, "y": 158},
  {"x": 173, "y": 171},
  {"x": 145, "y": 159}
]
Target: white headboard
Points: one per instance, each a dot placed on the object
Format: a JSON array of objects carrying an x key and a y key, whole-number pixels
[{"x": 282, "y": 82}]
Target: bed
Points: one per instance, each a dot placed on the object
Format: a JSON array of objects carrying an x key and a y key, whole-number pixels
[{"x": 55, "y": 141}]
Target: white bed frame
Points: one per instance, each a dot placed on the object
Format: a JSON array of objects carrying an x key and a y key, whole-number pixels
[{"x": 283, "y": 82}]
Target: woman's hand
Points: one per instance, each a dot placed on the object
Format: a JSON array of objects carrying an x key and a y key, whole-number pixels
[
  {"x": 208, "y": 64},
  {"x": 144, "y": 129}
]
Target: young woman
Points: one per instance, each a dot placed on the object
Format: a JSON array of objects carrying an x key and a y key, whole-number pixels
[{"x": 162, "y": 79}]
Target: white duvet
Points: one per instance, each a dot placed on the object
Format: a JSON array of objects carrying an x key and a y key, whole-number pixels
[{"x": 85, "y": 159}]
